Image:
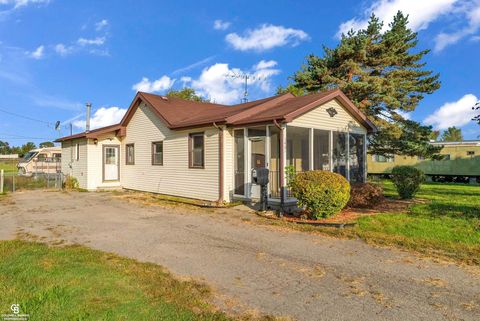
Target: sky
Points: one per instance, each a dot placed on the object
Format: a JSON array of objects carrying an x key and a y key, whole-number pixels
[{"x": 57, "y": 55}]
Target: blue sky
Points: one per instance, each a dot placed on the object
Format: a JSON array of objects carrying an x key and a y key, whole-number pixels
[{"x": 56, "y": 55}]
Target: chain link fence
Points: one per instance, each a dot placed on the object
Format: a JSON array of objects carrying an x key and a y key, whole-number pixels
[{"x": 45, "y": 174}]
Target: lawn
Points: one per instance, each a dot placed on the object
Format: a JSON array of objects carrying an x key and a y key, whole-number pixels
[
  {"x": 444, "y": 221},
  {"x": 77, "y": 283},
  {"x": 9, "y": 166}
]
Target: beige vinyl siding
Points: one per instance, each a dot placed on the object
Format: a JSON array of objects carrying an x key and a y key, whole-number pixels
[
  {"x": 320, "y": 119},
  {"x": 95, "y": 161},
  {"x": 71, "y": 166},
  {"x": 174, "y": 177},
  {"x": 228, "y": 175}
]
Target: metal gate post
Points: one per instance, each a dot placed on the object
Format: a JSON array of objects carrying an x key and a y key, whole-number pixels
[{"x": 1, "y": 181}]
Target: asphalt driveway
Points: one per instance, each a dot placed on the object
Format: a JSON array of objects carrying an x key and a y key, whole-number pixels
[{"x": 252, "y": 267}]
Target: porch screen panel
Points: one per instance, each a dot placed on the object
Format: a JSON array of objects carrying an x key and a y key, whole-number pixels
[
  {"x": 321, "y": 150},
  {"x": 239, "y": 162},
  {"x": 274, "y": 161},
  {"x": 298, "y": 148},
  {"x": 340, "y": 153},
  {"x": 357, "y": 158}
]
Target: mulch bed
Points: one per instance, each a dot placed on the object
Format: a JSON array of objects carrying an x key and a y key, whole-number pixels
[{"x": 348, "y": 216}]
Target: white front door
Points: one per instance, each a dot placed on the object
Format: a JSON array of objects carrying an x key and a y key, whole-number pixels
[{"x": 110, "y": 163}]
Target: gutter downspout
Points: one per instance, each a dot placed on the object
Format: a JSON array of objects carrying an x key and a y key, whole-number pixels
[
  {"x": 281, "y": 170},
  {"x": 220, "y": 163}
]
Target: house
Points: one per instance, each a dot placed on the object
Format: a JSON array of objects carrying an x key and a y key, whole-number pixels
[
  {"x": 460, "y": 162},
  {"x": 208, "y": 151}
]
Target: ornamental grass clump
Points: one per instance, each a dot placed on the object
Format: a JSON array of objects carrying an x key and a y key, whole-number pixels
[
  {"x": 322, "y": 193},
  {"x": 407, "y": 180}
]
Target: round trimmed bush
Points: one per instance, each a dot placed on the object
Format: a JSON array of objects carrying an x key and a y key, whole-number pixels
[
  {"x": 407, "y": 180},
  {"x": 365, "y": 195},
  {"x": 322, "y": 193}
]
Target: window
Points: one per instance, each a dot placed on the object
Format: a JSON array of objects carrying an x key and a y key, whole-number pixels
[
  {"x": 42, "y": 157},
  {"x": 77, "y": 151},
  {"x": 157, "y": 153},
  {"x": 196, "y": 150},
  {"x": 130, "y": 154},
  {"x": 446, "y": 157},
  {"x": 470, "y": 153}
]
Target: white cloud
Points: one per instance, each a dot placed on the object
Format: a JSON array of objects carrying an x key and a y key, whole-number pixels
[
  {"x": 221, "y": 25},
  {"x": 63, "y": 50},
  {"x": 266, "y": 37},
  {"x": 421, "y": 13},
  {"x": 103, "y": 117},
  {"x": 185, "y": 80},
  {"x": 15, "y": 4},
  {"x": 457, "y": 113},
  {"x": 468, "y": 13},
  {"x": 101, "y": 24},
  {"x": 38, "y": 53},
  {"x": 98, "y": 41},
  {"x": 161, "y": 84},
  {"x": 404, "y": 114},
  {"x": 216, "y": 82}
]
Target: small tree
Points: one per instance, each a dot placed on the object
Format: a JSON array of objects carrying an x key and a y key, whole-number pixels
[
  {"x": 407, "y": 180},
  {"x": 46, "y": 144},
  {"x": 186, "y": 93},
  {"x": 452, "y": 134}
]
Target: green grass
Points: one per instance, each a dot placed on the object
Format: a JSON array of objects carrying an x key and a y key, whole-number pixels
[
  {"x": 77, "y": 283},
  {"x": 9, "y": 166},
  {"x": 445, "y": 222}
]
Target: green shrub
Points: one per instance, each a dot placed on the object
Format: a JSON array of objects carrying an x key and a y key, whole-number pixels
[
  {"x": 70, "y": 183},
  {"x": 407, "y": 180},
  {"x": 365, "y": 195},
  {"x": 322, "y": 193}
]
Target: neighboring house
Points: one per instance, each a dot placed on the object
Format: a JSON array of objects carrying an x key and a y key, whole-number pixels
[
  {"x": 208, "y": 151},
  {"x": 459, "y": 160}
]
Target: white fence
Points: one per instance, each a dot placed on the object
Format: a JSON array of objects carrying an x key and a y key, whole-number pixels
[{"x": 9, "y": 156}]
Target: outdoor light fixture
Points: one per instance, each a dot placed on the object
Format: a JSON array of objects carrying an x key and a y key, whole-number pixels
[
  {"x": 332, "y": 111},
  {"x": 95, "y": 141}
]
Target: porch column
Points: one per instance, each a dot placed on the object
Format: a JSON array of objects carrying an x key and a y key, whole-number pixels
[
  {"x": 282, "y": 161},
  {"x": 310, "y": 149}
]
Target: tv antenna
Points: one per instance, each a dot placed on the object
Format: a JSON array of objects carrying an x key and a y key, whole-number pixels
[{"x": 245, "y": 77}]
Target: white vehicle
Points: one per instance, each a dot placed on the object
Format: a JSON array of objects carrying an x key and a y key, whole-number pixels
[{"x": 40, "y": 161}]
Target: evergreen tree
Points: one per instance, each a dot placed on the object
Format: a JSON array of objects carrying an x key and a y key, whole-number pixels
[
  {"x": 452, "y": 134},
  {"x": 291, "y": 88},
  {"x": 383, "y": 77}
]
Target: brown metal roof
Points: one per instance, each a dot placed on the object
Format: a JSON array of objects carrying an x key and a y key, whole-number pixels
[
  {"x": 96, "y": 133},
  {"x": 177, "y": 113}
]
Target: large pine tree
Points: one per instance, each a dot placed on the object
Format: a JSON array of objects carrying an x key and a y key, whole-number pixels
[{"x": 380, "y": 72}]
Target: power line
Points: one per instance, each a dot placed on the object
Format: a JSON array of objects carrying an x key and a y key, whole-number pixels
[{"x": 25, "y": 117}]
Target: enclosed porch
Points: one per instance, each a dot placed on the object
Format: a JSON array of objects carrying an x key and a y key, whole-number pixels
[{"x": 295, "y": 149}]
